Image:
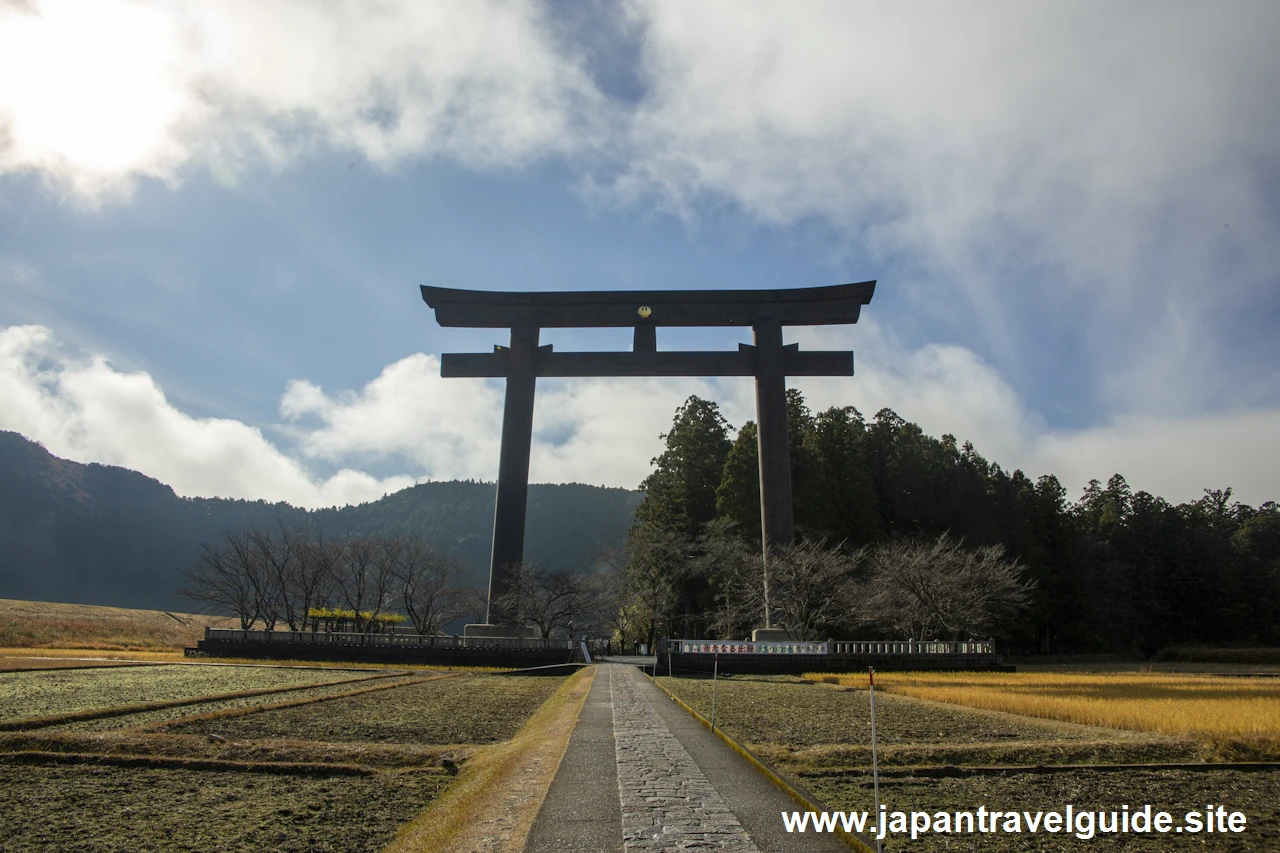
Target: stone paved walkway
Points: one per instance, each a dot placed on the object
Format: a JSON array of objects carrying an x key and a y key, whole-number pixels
[
  {"x": 667, "y": 802},
  {"x": 640, "y": 774}
]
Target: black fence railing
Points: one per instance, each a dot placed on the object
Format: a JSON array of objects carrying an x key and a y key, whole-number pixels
[{"x": 357, "y": 639}]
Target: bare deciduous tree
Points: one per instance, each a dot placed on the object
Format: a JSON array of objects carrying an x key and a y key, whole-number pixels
[
  {"x": 602, "y": 613},
  {"x": 217, "y": 582},
  {"x": 734, "y": 571},
  {"x": 311, "y": 576},
  {"x": 473, "y": 603},
  {"x": 289, "y": 574},
  {"x": 365, "y": 575},
  {"x": 936, "y": 589},
  {"x": 547, "y": 600},
  {"x": 428, "y": 586},
  {"x": 810, "y": 586},
  {"x": 244, "y": 557},
  {"x": 351, "y": 574},
  {"x": 273, "y": 554},
  {"x": 804, "y": 590}
]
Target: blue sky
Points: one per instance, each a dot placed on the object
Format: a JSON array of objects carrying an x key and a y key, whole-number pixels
[{"x": 214, "y": 218}]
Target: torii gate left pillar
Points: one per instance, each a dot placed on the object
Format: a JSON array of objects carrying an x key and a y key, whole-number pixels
[
  {"x": 523, "y": 361},
  {"x": 513, "y": 462}
]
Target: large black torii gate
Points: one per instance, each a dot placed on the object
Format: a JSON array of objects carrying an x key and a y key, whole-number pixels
[{"x": 523, "y": 361}]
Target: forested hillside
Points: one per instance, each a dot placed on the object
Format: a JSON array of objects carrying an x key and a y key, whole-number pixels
[
  {"x": 1114, "y": 570},
  {"x": 98, "y": 534}
]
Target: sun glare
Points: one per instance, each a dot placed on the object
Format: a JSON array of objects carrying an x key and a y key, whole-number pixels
[{"x": 90, "y": 86}]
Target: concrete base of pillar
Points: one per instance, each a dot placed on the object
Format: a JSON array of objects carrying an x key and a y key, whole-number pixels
[
  {"x": 769, "y": 635},
  {"x": 484, "y": 629}
]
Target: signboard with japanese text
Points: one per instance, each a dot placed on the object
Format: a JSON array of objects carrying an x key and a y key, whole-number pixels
[{"x": 720, "y": 647}]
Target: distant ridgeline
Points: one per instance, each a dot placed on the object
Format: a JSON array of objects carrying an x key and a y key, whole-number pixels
[{"x": 99, "y": 534}]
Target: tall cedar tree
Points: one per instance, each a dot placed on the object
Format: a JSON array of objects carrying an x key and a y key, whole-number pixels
[
  {"x": 680, "y": 494},
  {"x": 738, "y": 495},
  {"x": 837, "y": 499},
  {"x": 679, "y": 500}
]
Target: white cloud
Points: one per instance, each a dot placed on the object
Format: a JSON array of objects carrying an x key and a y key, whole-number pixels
[
  {"x": 1175, "y": 459},
  {"x": 1039, "y": 164},
  {"x": 90, "y": 93},
  {"x": 589, "y": 430},
  {"x": 948, "y": 389},
  {"x": 88, "y": 411},
  {"x": 1098, "y": 170},
  {"x": 945, "y": 389},
  {"x": 96, "y": 93},
  {"x": 594, "y": 431},
  {"x": 1033, "y": 165},
  {"x": 448, "y": 429},
  {"x": 609, "y": 428}
]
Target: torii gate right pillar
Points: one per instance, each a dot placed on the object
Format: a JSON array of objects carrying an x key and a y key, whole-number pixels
[
  {"x": 777, "y": 519},
  {"x": 777, "y": 522}
]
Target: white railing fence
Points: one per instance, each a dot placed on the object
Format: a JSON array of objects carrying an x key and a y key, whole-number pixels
[{"x": 834, "y": 647}]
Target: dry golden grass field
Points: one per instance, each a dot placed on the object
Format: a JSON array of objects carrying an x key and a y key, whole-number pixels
[
  {"x": 1176, "y": 704},
  {"x": 48, "y": 635},
  {"x": 41, "y": 624}
]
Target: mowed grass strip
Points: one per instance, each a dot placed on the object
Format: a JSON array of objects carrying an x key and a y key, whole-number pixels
[
  {"x": 34, "y": 694},
  {"x": 13, "y": 663},
  {"x": 236, "y": 703},
  {"x": 279, "y": 768},
  {"x": 839, "y": 758},
  {"x": 142, "y": 713},
  {"x": 469, "y": 708},
  {"x": 115, "y": 711},
  {"x": 88, "y": 657},
  {"x": 1183, "y": 704},
  {"x": 496, "y": 798},
  {"x": 194, "y": 720},
  {"x": 106, "y": 809},
  {"x": 254, "y": 752},
  {"x": 798, "y": 713}
]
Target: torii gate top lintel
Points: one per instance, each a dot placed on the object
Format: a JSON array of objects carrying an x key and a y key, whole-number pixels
[{"x": 806, "y": 306}]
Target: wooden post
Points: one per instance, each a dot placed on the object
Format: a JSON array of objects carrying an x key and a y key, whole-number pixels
[
  {"x": 777, "y": 523},
  {"x": 715, "y": 681},
  {"x": 513, "y": 462},
  {"x": 875, "y": 765}
]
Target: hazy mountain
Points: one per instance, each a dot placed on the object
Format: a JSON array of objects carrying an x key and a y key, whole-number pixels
[{"x": 99, "y": 534}]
